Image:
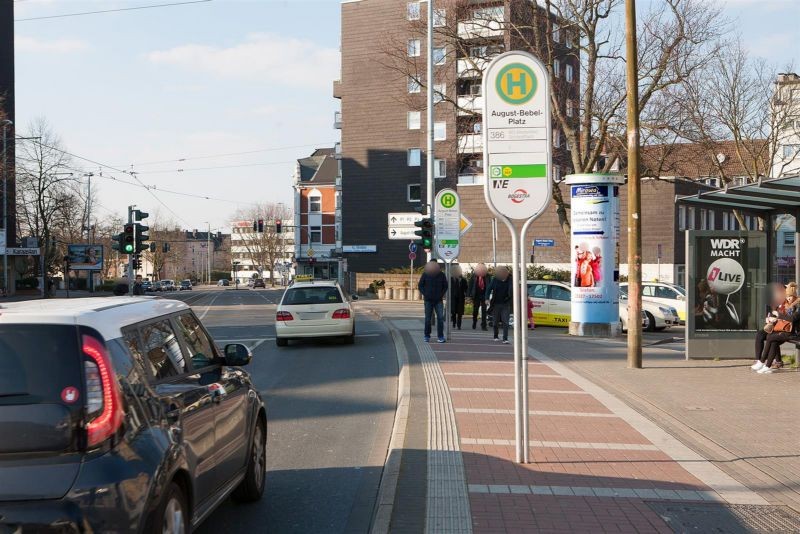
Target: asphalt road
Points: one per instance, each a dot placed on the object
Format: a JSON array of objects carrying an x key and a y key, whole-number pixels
[{"x": 330, "y": 412}]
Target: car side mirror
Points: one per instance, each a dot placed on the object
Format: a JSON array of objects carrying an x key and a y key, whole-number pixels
[
  {"x": 353, "y": 297},
  {"x": 237, "y": 355}
]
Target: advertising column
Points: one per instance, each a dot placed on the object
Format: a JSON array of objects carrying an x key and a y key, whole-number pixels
[{"x": 594, "y": 254}]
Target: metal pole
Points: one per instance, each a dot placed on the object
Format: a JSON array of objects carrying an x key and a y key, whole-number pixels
[
  {"x": 517, "y": 348},
  {"x": 430, "y": 154},
  {"x": 494, "y": 243},
  {"x": 634, "y": 194},
  {"x": 89, "y": 224},
  {"x": 447, "y": 301},
  {"x": 130, "y": 256},
  {"x": 208, "y": 253},
  {"x": 522, "y": 299},
  {"x": 6, "y": 124}
]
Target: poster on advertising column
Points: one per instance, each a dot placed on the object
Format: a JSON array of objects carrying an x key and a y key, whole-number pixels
[
  {"x": 721, "y": 303},
  {"x": 594, "y": 248}
]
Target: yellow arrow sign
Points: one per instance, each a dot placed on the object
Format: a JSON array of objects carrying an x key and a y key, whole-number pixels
[{"x": 466, "y": 224}]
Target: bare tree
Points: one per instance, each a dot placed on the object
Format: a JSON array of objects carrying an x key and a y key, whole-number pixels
[{"x": 264, "y": 248}]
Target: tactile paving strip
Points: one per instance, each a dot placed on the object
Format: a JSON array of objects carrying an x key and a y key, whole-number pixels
[{"x": 727, "y": 518}]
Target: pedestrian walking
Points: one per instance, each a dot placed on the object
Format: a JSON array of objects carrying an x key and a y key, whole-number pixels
[
  {"x": 478, "y": 293},
  {"x": 138, "y": 288},
  {"x": 433, "y": 287},
  {"x": 458, "y": 296},
  {"x": 500, "y": 296}
]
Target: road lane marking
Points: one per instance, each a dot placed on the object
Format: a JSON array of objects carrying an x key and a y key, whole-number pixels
[{"x": 208, "y": 306}]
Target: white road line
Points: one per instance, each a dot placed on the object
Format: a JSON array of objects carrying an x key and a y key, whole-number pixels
[
  {"x": 564, "y": 444},
  {"x": 208, "y": 307}
]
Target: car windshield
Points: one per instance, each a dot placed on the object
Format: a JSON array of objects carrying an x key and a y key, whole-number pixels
[{"x": 312, "y": 295}]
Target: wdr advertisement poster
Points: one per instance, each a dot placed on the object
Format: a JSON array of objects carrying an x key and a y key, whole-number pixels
[{"x": 721, "y": 302}]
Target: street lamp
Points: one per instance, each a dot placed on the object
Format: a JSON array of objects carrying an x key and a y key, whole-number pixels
[{"x": 6, "y": 123}]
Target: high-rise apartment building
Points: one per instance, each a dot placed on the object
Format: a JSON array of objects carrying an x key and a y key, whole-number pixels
[{"x": 383, "y": 106}]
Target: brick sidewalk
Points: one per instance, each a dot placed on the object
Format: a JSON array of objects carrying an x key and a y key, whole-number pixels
[{"x": 593, "y": 470}]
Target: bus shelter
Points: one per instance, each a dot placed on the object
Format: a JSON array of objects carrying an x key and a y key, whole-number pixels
[{"x": 729, "y": 271}]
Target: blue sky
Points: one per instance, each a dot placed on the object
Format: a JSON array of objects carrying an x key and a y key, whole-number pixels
[{"x": 225, "y": 76}]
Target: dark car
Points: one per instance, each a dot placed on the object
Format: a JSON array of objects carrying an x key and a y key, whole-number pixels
[
  {"x": 258, "y": 282},
  {"x": 157, "y": 286},
  {"x": 147, "y": 285},
  {"x": 186, "y": 285},
  {"x": 121, "y": 415},
  {"x": 223, "y": 282}
]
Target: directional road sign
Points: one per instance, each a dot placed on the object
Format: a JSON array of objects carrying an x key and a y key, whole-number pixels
[
  {"x": 401, "y": 225},
  {"x": 412, "y": 247},
  {"x": 544, "y": 242},
  {"x": 466, "y": 224}
]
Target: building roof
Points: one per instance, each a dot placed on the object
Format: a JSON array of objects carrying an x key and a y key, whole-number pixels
[
  {"x": 318, "y": 168},
  {"x": 696, "y": 161},
  {"x": 764, "y": 196}
]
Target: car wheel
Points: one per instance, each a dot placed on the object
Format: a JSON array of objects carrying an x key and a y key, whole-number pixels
[
  {"x": 622, "y": 326},
  {"x": 172, "y": 514},
  {"x": 349, "y": 340},
  {"x": 651, "y": 322},
  {"x": 281, "y": 341},
  {"x": 252, "y": 487}
]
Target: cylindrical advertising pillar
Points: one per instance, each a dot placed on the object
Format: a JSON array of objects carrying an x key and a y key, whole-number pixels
[{"x": 594, "y": 201}]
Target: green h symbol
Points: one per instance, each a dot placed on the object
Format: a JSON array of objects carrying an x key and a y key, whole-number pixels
[{"x": 521, "y": 82}]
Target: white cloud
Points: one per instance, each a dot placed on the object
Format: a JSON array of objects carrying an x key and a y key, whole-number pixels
[
  {"x": 57, "y": 46},
  {"x": 261, "y": 57}
]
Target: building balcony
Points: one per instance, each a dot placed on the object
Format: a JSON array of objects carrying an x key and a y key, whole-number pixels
[
  {"x": 470, "y": 143},
  {"x": 470, "y": 105},
  {"x": 337, "y": 88},
  {"x": 474, "y": 28},
  {"x": 471, "y": 179},
  {"x": 471, "y": 67},
  {"x": 337, "y": 150},
  {"x": 337, "y": 120}
]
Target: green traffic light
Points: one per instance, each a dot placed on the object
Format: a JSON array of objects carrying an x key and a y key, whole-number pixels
[{"x": 129, "y": 248}]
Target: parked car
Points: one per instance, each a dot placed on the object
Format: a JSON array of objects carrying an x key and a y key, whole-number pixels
[
  {"x": 223, "y": 282},
  {"x": 120, "y": 414},
  {"x": 147, "y": 285},
  {"x": 552, "y": 306},
  {"x": 168, "y": 285},
  {"x": 157, "y": 286},
  {"x": 186, "y": 285},
  {"x": 312, "y": 310},
  {"x": 258, "y": 282},
  {"x": 670, "y": 295}
]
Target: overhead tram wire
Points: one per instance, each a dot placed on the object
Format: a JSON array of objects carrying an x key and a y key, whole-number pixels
[
  {"x": 211, "y": 156},
  {"x": 134, "y": 8}
]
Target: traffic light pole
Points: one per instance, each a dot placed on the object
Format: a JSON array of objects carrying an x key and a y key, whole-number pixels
[
  {"x": 130, "y": 256},
  {"x": 430, "y": 188}
]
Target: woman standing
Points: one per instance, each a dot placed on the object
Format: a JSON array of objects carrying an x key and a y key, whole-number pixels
[{"x": 458, "y": 296}]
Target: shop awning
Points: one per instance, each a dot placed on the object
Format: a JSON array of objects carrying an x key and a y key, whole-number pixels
[{"x": 762, "y": 197}]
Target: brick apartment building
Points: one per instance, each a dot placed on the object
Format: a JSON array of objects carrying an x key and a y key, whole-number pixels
[
  {"x": 383, "y": 102},
  {"x": 318, "y": 216}
]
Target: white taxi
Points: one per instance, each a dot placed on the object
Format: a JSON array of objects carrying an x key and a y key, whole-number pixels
[
  {"x": 669, "y": 295},
  {"x": 551, "y": 301},
  {"x": 311, "y": 309}
]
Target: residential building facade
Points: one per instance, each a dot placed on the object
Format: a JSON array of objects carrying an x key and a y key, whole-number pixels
[
  {"x": 318, "y": 216},
  {"x": 266, "y": 254},
  {"x": 787, "y": 108},
  {"x": 383, "y": 109}
]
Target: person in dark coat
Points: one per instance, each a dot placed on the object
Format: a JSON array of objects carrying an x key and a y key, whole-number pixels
[
  {"x": 500, "y": 297},
  {"x": 478, "y": 292},
  {"x": 433, "y": 286},
  {"x": 458, "y": 296}
]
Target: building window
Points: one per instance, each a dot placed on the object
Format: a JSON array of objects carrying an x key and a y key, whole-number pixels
[
  {"x": 681, "y": 218},
  {"x": 413, "y": 85},
  {"x": 414, "y": 157},
  {"x": 414, "y": 120},
  {"x": 439, "y": 168},
  {"x": 316, "y": 234},
  {"x": 568, "y": 73},
  {"x": 496, "y": 13},
  {"x": 712, "y": 223},
  {"x": 568, "y": 38},
  {"x": 569, "y": 107},
  {"x": 690, "y": 224},
  {"x": 557, "y": 138},
  {"x": 439, "y": 90},
  {"x": 556, "y": 68},
  {"x": 414, "y": 192},
  {"x": 556, "y": 33},
  {"x": 315, "y": 204},
  {"x": 413, "y": 11},
  {"x": 439, "y": 131},
  {"x": 439, "y": 17},
  {"x": 478, "y": 51},
  {"x": 790, "y": 151},
  {"x": 557, "y": 173},
  {"x": 414, "y": 46},
  {"x": 703, "y": 219},
  {"x": 477, "y": 127},
  {"x": 439, "y": 55},
  {"x": 788, "y": 239}
]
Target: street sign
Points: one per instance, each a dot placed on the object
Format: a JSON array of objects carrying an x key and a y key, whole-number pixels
[
  {"x": 20, "y": 251},
  {"x": 544, "y": 242},
  {"x": 466, "y": 224},
  {"x": 412, "y": 256},
  {"x": 401, "y": 225},
  {"x": 517, "y": 135},
  {"x": 401, "y": 232},
  {"x": 412, "y": 247},
  {"x": 310, "y": 253},
  {"x": 448, "y": 224},
  {"x": 2, "y": 242}
]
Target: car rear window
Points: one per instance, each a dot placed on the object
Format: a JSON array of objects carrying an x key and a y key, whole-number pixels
[{"x": 312, "y": 295}]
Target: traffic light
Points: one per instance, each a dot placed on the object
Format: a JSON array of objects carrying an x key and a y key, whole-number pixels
[
  {"x": 117, "y": 242},
  {"x": 261, "y": 226},
  {"x": 278, "y": 226},
  {"x": 255, "y": 226},
  {"x": 425, "y": 233},
  {"x": 136, "y": 259},
  {"x": 129, "y": 239},
  {"x": 141, "y": 237}
]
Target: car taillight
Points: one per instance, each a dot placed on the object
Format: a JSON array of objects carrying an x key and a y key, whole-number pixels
[
  {"x": 344, "y": 313},
  {"x": 103, "y": 401},
  {"x": 284, "y": 316}
]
